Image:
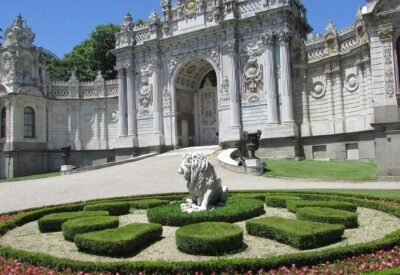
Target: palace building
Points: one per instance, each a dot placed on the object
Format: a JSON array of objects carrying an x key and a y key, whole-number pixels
[{"x": 203, "y": 72}]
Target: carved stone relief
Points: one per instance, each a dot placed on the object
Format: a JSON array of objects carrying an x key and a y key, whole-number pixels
[
  {"x": 252, "y": 76},
  {"x": 114, "y": 116},
  {"x": 352, "y": 82},
  {"x": 146, "y": 91},
  {"x": 389, "y": 74},
  {"x": 225, "y": 97},
  {"x": 166, "y": 95},
  {"x": 318, "y": 89}
]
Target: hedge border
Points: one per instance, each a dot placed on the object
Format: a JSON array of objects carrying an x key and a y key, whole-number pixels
[
  {"x": 224, "y": 265},
  {"x": 114, "y": 208}
]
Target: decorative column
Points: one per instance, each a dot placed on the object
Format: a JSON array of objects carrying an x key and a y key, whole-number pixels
[
  {"x": 158, "y": 130},
  {"x": 123, "y": 131},
  {"x": 285, "y": 82},
  {"x": 361, "y": 81},
  {"x": 340, "y": 110},
  {"x": 104, "y": 129},
  {"x": 78, "y": 143},
  {"x": 269, "y": 78},
  {"x": 329, "y": 88},
  {"x": 231, "y": 65},
  {"x": 130, "y": 83}
]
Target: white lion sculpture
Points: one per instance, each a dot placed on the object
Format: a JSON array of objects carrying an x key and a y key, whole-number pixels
[{"x": 205, "y": 190}]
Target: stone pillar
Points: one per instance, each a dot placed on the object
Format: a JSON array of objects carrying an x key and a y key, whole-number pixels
[
  {"x": 78, "y": 143},
  {"x": 285, "y": 83},
  {"x": 329, "y": 88},
  {"x": 231, "y": 65},
  {"x": 131, "y": 96},
  {"x": 306, "y": 129},
  {"x": 270, "y": 78},
  {"x": 158, "y": 130},
  {"x": 340, "y": 125},
  {"x": 361, "y": 88},
  {"x": 104, "y": 129},
  {"x": 123, "y": 129}
]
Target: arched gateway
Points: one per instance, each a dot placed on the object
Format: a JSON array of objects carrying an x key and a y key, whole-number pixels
[{"x": 195, "y": 84}]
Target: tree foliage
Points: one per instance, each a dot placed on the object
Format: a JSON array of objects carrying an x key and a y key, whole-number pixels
[{"x": 88, "y": 57}]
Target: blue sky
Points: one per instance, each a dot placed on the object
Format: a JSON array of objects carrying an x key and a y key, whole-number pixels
[{"x": 61, "y": 24}]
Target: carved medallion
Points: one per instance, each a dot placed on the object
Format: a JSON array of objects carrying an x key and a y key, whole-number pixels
[
  {"x": 190, "y": 6},
  {"x": 318, "y": 90},
  {"x": 114, "y": 116},
  {"x": 352, "y": 82}
]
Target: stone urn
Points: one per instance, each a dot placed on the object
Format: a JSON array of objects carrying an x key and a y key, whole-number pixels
[{"x": 252, "y": 142}]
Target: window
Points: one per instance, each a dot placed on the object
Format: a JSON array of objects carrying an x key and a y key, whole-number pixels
[
  {"x": 352, "y": 152},
  {"x": 319, "y": 152},
  {"x": 29, "y": 123},
  {"x": 3, "y": 122}
]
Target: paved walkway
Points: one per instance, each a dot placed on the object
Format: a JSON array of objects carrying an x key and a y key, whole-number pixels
[{"x": 153, "y": 175}]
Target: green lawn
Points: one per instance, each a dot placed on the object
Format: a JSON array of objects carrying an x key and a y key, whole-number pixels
[
  {"x": 33, "y": 177},
  {"x": 345, "y": 170}
]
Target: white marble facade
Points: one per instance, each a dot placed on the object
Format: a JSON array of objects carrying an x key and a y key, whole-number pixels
[{"x": 204, "y": 72}]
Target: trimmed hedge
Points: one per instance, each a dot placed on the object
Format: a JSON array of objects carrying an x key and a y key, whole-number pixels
[
  {"x": 6, "y": 226},
  {"x": 118, "y": 242},
  {"x": 71, "y": 228},
  {"x": 209, "y": 238},
  {"x": 221, "y": 265},
  {"x": 328, "y": 215},
  {"x": 255, "y": 196},
  {"x": 53, "y": 222},
  {"x": 114, "y": 208},
  {"x": 39, "y": 213},
  {"x": 237, "y": 209},
  {"x": 299, "y": 234},
  {"x": 279, "y": 200},
  {"x": 293, "y": 205},
  {"x": 148, "y": 203}
]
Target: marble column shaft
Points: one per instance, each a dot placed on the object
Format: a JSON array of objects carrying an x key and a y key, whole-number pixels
[
  {"x": 270, "y": 83},
  {"x": 235, "y": 98},
  {"x": 157, "y": 100},
  {"x": 285, "y": 84},
  {"x": 130, "y": 83},
  {"x": 122, "y": 99}
]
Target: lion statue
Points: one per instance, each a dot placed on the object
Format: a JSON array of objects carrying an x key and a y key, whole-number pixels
[{"x": 205, "y": 190}]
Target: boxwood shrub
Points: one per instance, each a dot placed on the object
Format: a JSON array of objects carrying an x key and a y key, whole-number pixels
[
  {"x": 53, "y": 222},
  {"x": 328, "y": 215},
  {"x": 123, "y": 241},
  {"x": 114, "y": 208},
  {"x": 73, "y": 227},
  {"x": 148, "y": 203},
  {"x": 279, "y": 200},
  {"x": 299, "y": 234},
  {"x": 237, "y": 209},
  {"x": 257, "y": 196},
  {"x": 293, "y": 205},
  {"x": 209, "y": 238}
]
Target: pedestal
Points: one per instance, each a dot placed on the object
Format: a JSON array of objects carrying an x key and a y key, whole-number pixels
[{"x": 254, "y": 167}]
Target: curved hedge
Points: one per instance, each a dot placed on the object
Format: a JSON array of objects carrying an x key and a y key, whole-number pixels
[
  {"x": 293, "y": 205},
  {"x": 279, "y": 200},
  {"x": 222, "y": 265},
  {"x": 114, "y": 208},
  {"x": 299, "y": 234},
  {"x": 53, "y": 222},
  {"x": 237, "y": 209},
  {"x": 74, "y": 227},
  {"x": 118, "y": 242},
  {"x": 328, "y": 215},
  {"x": 256, "y": 196},
  {"x": 209, "y": 238},
  {"x": 148, "y": 203}
]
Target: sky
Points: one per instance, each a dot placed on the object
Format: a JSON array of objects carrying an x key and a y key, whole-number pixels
[{"x": 61, "y": 24}]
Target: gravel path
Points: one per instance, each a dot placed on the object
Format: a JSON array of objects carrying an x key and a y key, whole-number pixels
[{"x": 153, "y": 175}]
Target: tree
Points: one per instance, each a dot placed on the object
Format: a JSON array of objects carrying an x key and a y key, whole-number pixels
[{"x": 88, "y": 57}]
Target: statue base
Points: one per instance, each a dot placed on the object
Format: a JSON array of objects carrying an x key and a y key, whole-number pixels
[{"x": 254, "y": 167}]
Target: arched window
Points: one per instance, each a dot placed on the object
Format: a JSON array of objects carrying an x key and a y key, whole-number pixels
[
  {"x": 29, "y": 122},
  {"x": 3, "y": 122}
]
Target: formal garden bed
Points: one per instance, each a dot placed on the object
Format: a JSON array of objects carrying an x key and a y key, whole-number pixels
[{"x": 360, "y": 249}]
